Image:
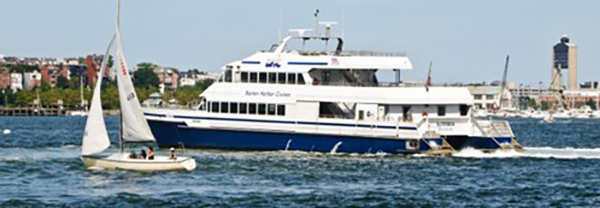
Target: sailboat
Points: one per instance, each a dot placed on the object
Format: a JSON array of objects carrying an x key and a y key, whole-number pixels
[
  {"x": 134, "y": 127},
  {"x": 83, "y": 111}
]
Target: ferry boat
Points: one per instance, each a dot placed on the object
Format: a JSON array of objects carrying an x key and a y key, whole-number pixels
[{"x": 327, "y": 101}]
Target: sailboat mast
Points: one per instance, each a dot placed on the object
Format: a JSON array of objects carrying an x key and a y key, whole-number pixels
[
  {"x": 81, "y": 92},
  {"x": 121, "y": 132}
]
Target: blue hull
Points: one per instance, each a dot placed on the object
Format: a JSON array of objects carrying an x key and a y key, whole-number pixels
[{"x": 172, "y": 134}]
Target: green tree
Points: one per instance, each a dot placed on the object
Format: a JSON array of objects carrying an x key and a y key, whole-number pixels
[
  {"x": 590, "y": 102},
  {"x": 144, "y": 93},
  {"x": 204, "y": 84},
  {"x": 7, "y": 97},
  {"x": 546, "y": 105},
  {"x": 25, "y": 97},
  {"x": 110, "y": 97},
  {"x": 45, "y": 86},
  {"x": 532, "y": 103},
  {"x": 185, "y": 95},
  {"x": 144, "y": 76},
  {"x": 51, "y": 97},
  {"x": 62, "y": 82},
  {"x": 70, "y": 98}
]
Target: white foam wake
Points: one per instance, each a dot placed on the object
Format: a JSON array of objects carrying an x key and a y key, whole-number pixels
[{"x": 535, "y": 152}]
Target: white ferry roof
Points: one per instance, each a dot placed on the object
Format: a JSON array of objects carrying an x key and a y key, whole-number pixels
[
  {"x": 302, "y": 61},
  {"x": 244, "y": 92}
]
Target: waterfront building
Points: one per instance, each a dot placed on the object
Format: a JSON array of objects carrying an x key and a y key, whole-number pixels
[
  {"x": 488, "y": 97},
  {"x": 564, "y": 57},
  {"x": 167, "y": 78},
  {"x": 16, "y": 81},
  {"x": 190, "y": 78},
  {"x": 4, "y": 78},
  {"x": 32, "y": 79}
]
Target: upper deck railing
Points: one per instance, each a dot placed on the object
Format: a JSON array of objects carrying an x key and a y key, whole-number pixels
[
  {"x": 349, "y": 53},
  {"x": 379, "y": 84}
]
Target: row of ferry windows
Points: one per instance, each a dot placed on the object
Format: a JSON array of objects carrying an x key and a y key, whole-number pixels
[
  {"x": 247, "y": 108},
  {"x": 272, "y": 77}
]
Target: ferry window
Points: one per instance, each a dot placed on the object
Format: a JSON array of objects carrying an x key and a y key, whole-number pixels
[
  {"x": 224, "y": 107},
  {"x": 243, "y": 108},
  {"x": 489, "y": 97},
  {"x": 271, "y": 109},
  {"x": 262, "y": 77},
  {"x": 281, "y": 78},
  {"x": 464, "y": 110},
  {"x": 208, "y": 106},
  {"x": 477, "y": 97},
  {"x": 214, "y": 107},
  {"x": 291, "y": 78},
  {"x": 233, "y": 108},
  {"x": 244, "y": 76},
  {"x": 300, "y": 79},
  {"x": 361, "y": 115},
  {"x": 252, "y": 108},
  {"x": 253, "y": 77},
  {"x": 441, "y": 110},
  {"x": 272, "y": 77},
  {"x": 262, "y": 109},
  {"x": 406, "y": 113},
  {"x": 326, "y": 76},
  {"x": 281, "y": 110},
  {"x": 228, "y": 75}
]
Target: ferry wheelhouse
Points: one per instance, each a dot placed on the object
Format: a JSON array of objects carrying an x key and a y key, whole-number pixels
[{"x": 327, "y": 101}]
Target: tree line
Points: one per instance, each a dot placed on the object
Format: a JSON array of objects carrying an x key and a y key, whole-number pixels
[{"x": 68, "y": 91}]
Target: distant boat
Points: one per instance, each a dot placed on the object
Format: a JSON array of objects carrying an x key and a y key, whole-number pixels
[{"x": 134, "y": 127}]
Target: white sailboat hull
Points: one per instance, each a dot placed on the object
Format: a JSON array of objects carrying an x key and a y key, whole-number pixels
[{"x": 123, "y": 162}]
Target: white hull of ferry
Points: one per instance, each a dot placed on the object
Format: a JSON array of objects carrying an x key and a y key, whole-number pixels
[{"x": 123, "y": 162}]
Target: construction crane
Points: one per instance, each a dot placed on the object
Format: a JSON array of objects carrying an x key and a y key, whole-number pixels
[{"x": 501, "y": 99}]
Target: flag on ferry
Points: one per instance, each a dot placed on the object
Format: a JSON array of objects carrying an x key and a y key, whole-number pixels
[{"x": 335, "y": 62}]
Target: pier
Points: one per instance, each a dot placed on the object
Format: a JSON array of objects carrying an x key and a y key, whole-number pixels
[{"x": 28, "y": 111}]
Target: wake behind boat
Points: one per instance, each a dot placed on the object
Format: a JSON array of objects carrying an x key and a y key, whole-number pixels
[{"x": 134, "y": 128}]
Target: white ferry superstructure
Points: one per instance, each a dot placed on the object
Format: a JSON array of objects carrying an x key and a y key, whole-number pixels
[{"x": 327, "y": 101}]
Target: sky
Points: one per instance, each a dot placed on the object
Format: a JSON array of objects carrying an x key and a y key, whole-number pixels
[{"x": 467, "y": 40}]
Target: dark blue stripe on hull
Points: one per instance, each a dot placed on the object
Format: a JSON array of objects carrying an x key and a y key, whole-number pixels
[
  {"x": 169, "y": 134},
  {"x": 488, "y": 143}
]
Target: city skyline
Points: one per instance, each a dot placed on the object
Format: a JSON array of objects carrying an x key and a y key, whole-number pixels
[{"x": 460, "y": 37}]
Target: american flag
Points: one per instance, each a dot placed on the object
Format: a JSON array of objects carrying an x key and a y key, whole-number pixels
[{"x": 335, "y": 62}]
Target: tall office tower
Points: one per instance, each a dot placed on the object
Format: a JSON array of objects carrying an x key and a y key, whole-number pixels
[{"x": 564, "y": 57}]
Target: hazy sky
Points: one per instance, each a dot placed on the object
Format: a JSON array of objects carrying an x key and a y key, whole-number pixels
[{"x": 466, "y": 40}]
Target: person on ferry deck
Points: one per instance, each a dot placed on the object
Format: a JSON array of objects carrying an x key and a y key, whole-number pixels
[
  {"x": 150, "y": 153},
  {"x": 173, "y": 154}
]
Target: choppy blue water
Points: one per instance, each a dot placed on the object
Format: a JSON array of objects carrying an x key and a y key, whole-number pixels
[{"x": 39, "y": 166}]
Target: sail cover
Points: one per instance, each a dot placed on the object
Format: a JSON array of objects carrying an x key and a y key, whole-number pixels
[
  {"x": 95, "y": 137},
  {"x": 135, "y": 127}
]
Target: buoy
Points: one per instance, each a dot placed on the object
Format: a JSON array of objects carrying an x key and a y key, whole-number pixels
[{"x": 6, "y": 131}]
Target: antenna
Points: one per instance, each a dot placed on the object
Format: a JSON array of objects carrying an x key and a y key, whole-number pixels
[
  {"x": 328, "y": 25},
  {"x": 280, "y": 18},
  {"x": 317, "y": 23},
  {"x": 343, "y": 20},
  {"x": 301, "y": 34}
]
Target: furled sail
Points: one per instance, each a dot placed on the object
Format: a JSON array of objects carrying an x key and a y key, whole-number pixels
[
  {"x": 135, "y": 127},
  {"x": 95, "y": 137}
]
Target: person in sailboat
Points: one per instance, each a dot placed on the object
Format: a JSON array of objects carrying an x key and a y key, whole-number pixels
[
  {"x": 173, "y": 154},
  {"x": 143, "y": 155},
  {"x": 150, "y": 153},
  {"x": 132, "y": 155}
]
